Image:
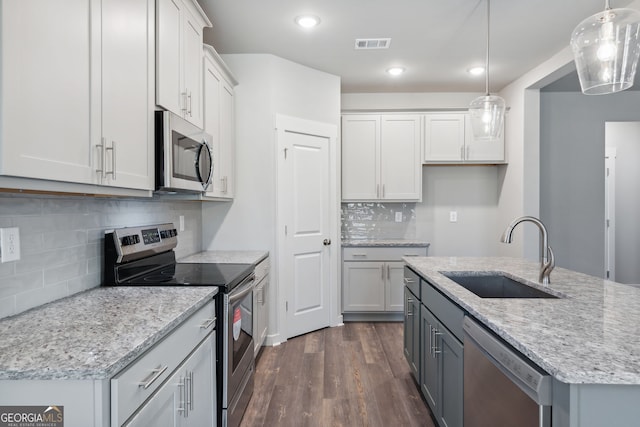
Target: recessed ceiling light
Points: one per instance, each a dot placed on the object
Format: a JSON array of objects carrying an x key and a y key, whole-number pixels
[
  {"x": 395, "y": 71},
  {"x": 307, "y": 21},
  {"x": 476, "y": 71}
]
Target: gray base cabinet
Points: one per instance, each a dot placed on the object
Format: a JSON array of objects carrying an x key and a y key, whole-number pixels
[
  {"x": 442, "y": 370},
  {"x": 412, "y": 332},
  {"x": 433, "y": 348}
]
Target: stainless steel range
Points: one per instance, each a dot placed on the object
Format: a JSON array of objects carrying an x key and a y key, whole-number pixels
[{"x": 144, "y": 256}]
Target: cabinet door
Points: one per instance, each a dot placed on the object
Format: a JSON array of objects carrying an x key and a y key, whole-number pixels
[
  {"x": 401, "y": 166},
  {"x": 363, "y": 286},
  {"x": 200, "y": 385},
  {"x": 412, "y": 333},
  {"x": 127, "y": 118},
  {"x": 481, "y": 150},
  {"x": 360, "y": 157},
  {"x": 394, "y": 288},
  {"x": 451, "y": 379},
  {"x": 212, "y": 83},
  {"x": 227, "y": 140},
  {"x": 48, "y": 91},
  {"x": 192, "y": 63},
  {"x": 429, "y": 371},
  {"x": 169, "y": 56},
  {"x": 444, "y": 137},
  {"x": 164, "y": 408}
]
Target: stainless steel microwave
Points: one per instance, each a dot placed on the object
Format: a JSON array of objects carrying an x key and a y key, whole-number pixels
[{"x": 184, "y": 161}]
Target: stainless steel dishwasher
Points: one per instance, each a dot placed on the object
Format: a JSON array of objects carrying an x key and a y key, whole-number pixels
[{"x": 501, "y": 387}]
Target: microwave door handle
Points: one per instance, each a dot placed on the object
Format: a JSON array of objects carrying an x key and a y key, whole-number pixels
[{"x": 210, "y": 177}]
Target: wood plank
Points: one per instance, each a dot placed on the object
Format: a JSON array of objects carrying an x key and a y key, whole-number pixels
[{"x": 352, "y": 375}]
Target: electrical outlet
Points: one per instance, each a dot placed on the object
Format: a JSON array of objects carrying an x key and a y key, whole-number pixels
[
  {"x": 9, "y": 244},
  {"x": 398, "y": 216},
  {"x": 453, "y": 216},
  {"x": 181, "y": 222}
]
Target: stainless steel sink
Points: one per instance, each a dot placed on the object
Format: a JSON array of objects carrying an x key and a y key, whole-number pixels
[{"x": 495, "y": 285}]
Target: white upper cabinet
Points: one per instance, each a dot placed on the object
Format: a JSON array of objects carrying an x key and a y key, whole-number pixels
[
  {"x": 449, "y": 139},
  {"x": 179, "y": 87},
  {"x": 76, "y": 102},
  {"x": 219, "y": 122},
  {"x": 46, "y": 90},
  {"x": 381, "y": 157},
  {"x": 126, "y": 147}
]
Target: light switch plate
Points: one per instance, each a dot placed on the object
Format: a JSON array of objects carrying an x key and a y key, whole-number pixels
[
  {"x": 181, "y": 222},
  {"x": 9, "y": 244},
  {"x": 453, "y": 216},
  {"x": 398, "y": 216}
]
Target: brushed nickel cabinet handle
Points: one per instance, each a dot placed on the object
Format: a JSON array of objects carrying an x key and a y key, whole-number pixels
[
  {"x": 155, "y": 374},
  {"x": 207, "y": 323},
  {"x": 113, "y": 160}
]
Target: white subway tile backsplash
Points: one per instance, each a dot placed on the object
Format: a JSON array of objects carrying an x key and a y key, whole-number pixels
[{"x": 62, "y": 242}]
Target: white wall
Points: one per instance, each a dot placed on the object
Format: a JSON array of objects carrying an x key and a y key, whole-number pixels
[
  {"x": 625, "y": 137},
  {"x": 268, "y": 85}
]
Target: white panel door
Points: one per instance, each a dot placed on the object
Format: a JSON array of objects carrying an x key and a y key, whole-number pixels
[
  {"x": 305, "y": 210},
  {"x": 360, "y": 157},
  {"x": 363, "y": 286},
  {"x": 192, "y": 62},
  {"x": 401, "y": 166},
  {"x": 169, "y": 60}
]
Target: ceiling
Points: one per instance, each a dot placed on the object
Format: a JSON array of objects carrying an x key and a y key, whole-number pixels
[{"x": 436, "y": 41}]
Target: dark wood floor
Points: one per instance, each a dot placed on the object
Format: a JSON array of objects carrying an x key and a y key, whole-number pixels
[{"x": 352, "y": 375}]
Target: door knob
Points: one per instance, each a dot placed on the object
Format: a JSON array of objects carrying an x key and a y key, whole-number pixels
[{"x": 326, "y": 242}]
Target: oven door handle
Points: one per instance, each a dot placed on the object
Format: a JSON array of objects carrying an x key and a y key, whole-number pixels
[{"x": 244, "y": 291}]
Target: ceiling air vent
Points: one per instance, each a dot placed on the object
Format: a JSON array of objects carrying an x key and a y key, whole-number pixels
[{"x": 373, "y": 43}]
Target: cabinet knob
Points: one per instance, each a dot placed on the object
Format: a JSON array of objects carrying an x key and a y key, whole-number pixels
[{"x": 326, "y": 242}]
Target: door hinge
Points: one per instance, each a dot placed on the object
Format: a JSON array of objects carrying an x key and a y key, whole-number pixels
[
  {"x": 608, "y": 274},
  {"x": 286, "y": 306},
  {"x": 285, "y": 153},
  {"x": 285, "y": 230},
  {"x": 608, "y": 223},
  {"x": 607, "y": 171}
]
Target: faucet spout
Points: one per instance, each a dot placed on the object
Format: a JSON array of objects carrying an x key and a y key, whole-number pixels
[{"x": 547, "y": 259}]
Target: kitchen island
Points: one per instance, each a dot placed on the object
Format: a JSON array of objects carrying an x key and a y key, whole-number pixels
[{"x": 588, "y": 339}]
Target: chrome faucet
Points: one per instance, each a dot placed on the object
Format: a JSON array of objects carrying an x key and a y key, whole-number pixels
[{"x": 547, "y": 260}]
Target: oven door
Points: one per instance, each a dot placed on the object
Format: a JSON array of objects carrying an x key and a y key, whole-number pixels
[
  {"x": 184, "y": 158},
  {"x": 239, "y": 340}
]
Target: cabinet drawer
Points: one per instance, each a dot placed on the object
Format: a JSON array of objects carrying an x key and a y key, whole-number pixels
[
  {"x": 412, "y": 281},
  {"x": 134, "y": 385},
  {"x": 381, "y": 253},
  {"x": 262, "y": 269},
  {"x": 446, "y": 311}
]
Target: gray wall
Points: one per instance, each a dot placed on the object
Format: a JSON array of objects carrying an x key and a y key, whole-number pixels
[
  {"x": 572, "y": 140},
  {"x": 625, "y": 138},
  {"x": 62, "y": 239}
]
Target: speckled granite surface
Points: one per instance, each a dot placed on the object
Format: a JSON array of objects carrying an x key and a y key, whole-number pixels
[
  {"x": 384, "y": 243},
  {"x": 590, "y": 336},
  {"x": 227, "y": 257},
  {"x": 95, "y": 334}
]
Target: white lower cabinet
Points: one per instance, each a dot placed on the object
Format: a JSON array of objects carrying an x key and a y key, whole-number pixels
[
  {"x": 372, "y": 278},
  {"x": 187, "y": 398},
  {"x": 261, "y": 305}
]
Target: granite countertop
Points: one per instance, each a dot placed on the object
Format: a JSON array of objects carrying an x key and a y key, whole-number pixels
[
  {"x": 227, "y": 257},
  {"x": 591, "y": 335},
  {"x": 384, "y": 243},
  {"x": 94, "y": 334}
]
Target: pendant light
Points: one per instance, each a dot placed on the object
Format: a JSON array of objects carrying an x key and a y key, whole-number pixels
[
  {"x": 487, "y": 112},
  {"x": 606, "y": 47}
]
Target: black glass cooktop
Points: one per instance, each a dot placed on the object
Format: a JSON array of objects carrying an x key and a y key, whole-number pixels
[{"x": 225, "y": 276}]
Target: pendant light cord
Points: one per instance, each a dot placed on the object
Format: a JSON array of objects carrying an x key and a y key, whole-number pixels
[{"x": 486, "y": 70}]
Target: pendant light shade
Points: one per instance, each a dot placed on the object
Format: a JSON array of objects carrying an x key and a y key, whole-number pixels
[
  {"x": 606, "y": 47},
  {"x": 487, "y": 112}
]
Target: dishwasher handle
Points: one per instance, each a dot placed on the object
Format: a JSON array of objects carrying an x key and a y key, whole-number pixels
[{"x": 531, "y": 379}]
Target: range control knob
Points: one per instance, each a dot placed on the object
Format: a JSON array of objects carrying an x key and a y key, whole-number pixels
[{"x": 130, "y": 240}]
